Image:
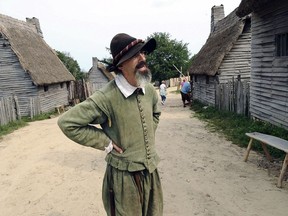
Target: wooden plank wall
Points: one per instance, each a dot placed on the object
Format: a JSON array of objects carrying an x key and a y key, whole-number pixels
[
  {"x": 96, "y": 79},
  {"x": 8, "y": 109},
  {"x": 238, "y": 60},
  {"x": 204, "y": 92},
  {"x": 55, "y": 96},
  {"x": 269, "y": 75},
  {"x": 233, "y": 96},
  {"x": 235, "y": 64},
  {"x": 230, "y": 96}
]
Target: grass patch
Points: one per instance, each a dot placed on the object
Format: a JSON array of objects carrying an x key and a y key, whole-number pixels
[
  {"x": 12, "y": 126},
  {"x": 234, "y": 126}
]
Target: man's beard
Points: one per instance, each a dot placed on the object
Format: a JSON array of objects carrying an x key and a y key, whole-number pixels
[{"x": 143, "y": 77}]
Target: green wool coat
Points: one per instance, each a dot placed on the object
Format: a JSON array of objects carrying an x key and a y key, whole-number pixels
[{"x": 129, "y": 122}]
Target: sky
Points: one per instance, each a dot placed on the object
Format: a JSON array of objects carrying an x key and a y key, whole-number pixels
[{"x": 84, "y": 28}]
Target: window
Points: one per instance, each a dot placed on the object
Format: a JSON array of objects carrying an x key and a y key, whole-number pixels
[
  {"x": 281, "y": 44},
  {"x": 207, "y": 79},
  {"x": 45, "y": 88}
]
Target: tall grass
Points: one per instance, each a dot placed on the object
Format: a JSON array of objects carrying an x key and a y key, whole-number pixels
[{"x": 234, "y": 127}]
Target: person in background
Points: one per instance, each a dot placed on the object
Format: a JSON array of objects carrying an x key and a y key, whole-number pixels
[
  {"x": 182, "y": 83},
  {"x": 185, "y": 93},
  {"x": 126, "y": 108},
  {"x": 163, "y": 92}
]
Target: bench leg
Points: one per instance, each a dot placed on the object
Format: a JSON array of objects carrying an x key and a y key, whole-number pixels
[
  {"x": 248, "y": 149},
  {"x": 266, "y": 152},
  {"x": 283, "y": 170}
]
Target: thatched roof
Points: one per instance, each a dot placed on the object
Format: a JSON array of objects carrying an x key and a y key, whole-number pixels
[
  {"x": 247, "y": 6},
  {"x": 106, "y": 73},
  {"x": 34, "y": 54},
  {"x": 218, "y": 44}
]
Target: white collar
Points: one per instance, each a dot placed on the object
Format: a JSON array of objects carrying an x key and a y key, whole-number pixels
[{"x": 125, "y": 87}]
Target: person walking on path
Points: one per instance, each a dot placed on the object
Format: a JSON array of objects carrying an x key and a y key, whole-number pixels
[
  {"x": 126, "y": 108},
  {"x": 185, "y": 93},
  {"x": 163, "y": 92}
]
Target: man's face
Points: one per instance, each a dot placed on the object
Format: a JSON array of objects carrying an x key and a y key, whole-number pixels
[{"x": 135, "y": 70}]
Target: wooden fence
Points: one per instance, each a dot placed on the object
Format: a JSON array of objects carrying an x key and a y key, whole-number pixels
[
  {"x": 10, "y": 111},
  {"x": 233, "y": 96},
  {"x": 8, "y": 107}
]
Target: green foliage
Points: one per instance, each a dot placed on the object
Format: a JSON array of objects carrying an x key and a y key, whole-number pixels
[
  {"x": 234, "y": 127},
  {"x": 169, "y": 52},
  {"x": 71, "y": 64}
]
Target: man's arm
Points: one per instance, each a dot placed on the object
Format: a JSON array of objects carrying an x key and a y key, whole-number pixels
[{"x": 76, "y": 125}]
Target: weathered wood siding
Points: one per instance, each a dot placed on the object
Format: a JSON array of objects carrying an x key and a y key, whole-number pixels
[
  {"x": 238, "y": 60},
  {"x": 56, "y": 95},
  {"x": 14, "y": 81},
  {"x": 269, "y": 76},
  {"x": 97, "y": 79},
  {"x": 235, "y": 63},
  {"x": 204, "y": 89},
  {"x": 233, "y": 96}
]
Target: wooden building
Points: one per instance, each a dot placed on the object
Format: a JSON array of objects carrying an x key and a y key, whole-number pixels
[
  {"x": 226, "y": 55},
  {"x": 269, "y": 67},
  {"x": 98, "y": 76},
  {"x": 29, "y": 68}
]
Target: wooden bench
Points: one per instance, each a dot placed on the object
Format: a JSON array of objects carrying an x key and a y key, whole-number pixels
[{"x": 273, "y": 141}]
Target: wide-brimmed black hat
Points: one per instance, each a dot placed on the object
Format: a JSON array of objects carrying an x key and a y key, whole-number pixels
[{"x": 124, "y": 47}]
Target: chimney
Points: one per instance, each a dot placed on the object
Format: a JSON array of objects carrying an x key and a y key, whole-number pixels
[
  {"x": 95, "y": 62},
  {"x": 217, "y": 13},
  {"x": 34, "y": 21}
]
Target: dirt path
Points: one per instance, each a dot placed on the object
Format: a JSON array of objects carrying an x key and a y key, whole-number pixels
[{"x": 44, "y": 173}]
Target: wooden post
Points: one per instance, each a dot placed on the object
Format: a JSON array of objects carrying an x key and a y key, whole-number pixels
[
  {"x": 266, "y": 152},
  {"x": 248, "y": 149},
  {"x": 17, "y": 108},
  {"x": 283, "y": 170}
]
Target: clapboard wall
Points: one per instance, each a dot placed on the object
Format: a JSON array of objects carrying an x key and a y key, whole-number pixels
[
  {"x": 96, "y": 77},
  {"x": 238, "y": 60},
  {"x": 269, "y": 75}
]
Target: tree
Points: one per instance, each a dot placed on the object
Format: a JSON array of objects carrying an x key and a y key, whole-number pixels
[
  {"x": 71, "y": 64},
  {"x": 168, "y": 55}
]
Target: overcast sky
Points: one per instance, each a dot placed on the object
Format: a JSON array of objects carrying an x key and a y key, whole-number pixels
[{"x": 85, "y": 28}]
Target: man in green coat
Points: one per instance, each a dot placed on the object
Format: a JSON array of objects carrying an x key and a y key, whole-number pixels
[{"x": 127, "y": 110}]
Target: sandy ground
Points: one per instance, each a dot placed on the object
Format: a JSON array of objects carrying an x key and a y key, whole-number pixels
[{"x": 44, "y": 173}]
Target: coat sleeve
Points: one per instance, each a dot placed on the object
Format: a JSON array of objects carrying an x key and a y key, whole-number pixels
[{"x": 76, "y": 124}]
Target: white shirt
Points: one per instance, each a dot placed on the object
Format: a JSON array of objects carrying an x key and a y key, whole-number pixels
[
  {"x": 162, "y": 89},
  {"x": 125, "y": 87}
]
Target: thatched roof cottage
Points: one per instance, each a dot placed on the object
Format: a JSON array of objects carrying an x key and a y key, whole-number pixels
[
  {"x": 226, "y": 55},
  {"x": 29, "y": 68}
]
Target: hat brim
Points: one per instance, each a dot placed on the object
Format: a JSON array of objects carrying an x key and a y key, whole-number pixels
[{"x": 148, "y": 46}]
